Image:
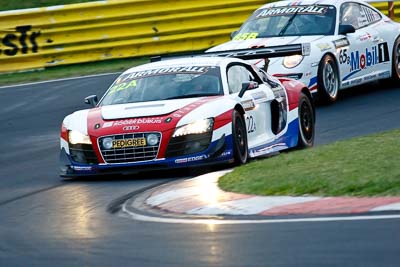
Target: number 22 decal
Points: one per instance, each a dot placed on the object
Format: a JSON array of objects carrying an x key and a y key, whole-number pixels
[{"x": 251, "y": 124}]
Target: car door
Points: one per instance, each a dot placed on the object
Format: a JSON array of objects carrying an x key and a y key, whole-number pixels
[
  {"x": 357, "y": 58},
  {"x": 256, "y": 103},
  {"x": 377, "y": 55}
]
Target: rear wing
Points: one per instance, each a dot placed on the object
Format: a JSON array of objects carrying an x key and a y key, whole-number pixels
[
  {"x": 264, "y": 52},
  {"x": 253, "y": 53}
]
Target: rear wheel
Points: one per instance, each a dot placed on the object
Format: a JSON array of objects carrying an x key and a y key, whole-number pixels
[
  {"x": 306, "y": 122},
  {"x": 239, "y": 136},
  {"x": 328, "y": 80}
]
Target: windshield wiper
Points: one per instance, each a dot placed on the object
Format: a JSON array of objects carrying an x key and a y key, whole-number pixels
[{"x": 288, "y": 23}]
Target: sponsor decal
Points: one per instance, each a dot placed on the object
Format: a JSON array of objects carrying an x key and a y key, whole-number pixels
[
  {"x": 324, "y": 47},
  {"x": 341, "y": 43},
  {"x": 360, "y": 60},
  {"x": 131, "y": 128},
  {"x": 133, "y": 121},
  {"x": 278, "y": 11},
  {"x": 365, "y": 37},
  {"x": 356, "y": 81},
  {"x": 245, "y": 36},
  {"x": 119, "y": 86},
  {"x": 248, "y": 105},
  {"x": 133, "y": 142},
  {"x": 370, "y": 77},
  {"x": 108, "y": 124},
  {"x": 82, "y": 168},
  {"x": 385, "y": 74},
  {"x": 152, "y": 72},
  {"x": 373, "y": 56},
  {"x": 225, "y": 153},
  {"x": 259, "y": 95},
  {"x": 191, "y": 159}
]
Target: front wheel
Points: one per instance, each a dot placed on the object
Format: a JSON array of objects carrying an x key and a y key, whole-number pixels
[
  {"x": 239, "y": 136},
  {"x": 328, "y": 80},
  {"x": 306, "y": 122},
  {"x": 396, "y": 62}
]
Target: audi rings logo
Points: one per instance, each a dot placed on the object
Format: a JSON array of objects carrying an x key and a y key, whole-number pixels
[{"x": 131, "y": 128}]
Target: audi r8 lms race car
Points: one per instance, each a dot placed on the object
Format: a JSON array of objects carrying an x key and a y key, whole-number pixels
[
  {"x": 186, "y": 112},
  {"x": 351, "y": 43}
]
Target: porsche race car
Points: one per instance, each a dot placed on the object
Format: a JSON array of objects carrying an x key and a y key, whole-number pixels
[
  {"x": 351, "y": 43},
  {"x": 186, "y": 112}
]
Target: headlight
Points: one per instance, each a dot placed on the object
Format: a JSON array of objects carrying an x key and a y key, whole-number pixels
[
  {"x": 76, "y": 137},
  {"x": 197, "y": 127},
  {"x": 292, "y": 61}
]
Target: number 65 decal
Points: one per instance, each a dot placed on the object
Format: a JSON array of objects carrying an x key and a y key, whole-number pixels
[{"x": 251, "y": 124}]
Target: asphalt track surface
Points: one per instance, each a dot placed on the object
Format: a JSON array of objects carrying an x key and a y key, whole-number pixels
[{"x": 45, "y": 221}]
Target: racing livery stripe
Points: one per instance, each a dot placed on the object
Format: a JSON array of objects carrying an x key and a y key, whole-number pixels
[
  {"x": 93, "y": 118},
  {"x": 292, "y": 89},
  {"x": 351, "y": 74},
  {"x": 223, "y": 119},
  {"x": 64, "y": 133}
]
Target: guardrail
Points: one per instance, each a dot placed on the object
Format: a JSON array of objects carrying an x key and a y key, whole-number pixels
[
  {"x": 42, "y": 37},
  {"x": 389, "y": 8}
]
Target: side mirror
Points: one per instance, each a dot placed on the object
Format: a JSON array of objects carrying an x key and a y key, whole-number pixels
[
  {"x": 233, "y": 34},
  {"x": 91, "y": 100},
  {"x": 346, "y": 28},
  {"x": 247, "y": 86}
]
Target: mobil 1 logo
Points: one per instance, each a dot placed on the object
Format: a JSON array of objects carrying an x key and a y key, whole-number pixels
[{"x": 359, "y": 60}]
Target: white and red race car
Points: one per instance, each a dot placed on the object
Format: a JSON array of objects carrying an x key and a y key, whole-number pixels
[
  {"x": 351, "y": 43},
  {"x": 186, "y": 112}
]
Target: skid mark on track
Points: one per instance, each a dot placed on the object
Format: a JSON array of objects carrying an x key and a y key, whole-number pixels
[{"x": 5, "y": 202}]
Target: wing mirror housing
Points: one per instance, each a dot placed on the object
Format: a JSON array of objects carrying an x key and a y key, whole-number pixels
[
  {"x": 346, "y": 28},
  {"x": 233, "y": 34},
  {"x": 247, "y": 86},
  {"x": 91, "y": 100}
]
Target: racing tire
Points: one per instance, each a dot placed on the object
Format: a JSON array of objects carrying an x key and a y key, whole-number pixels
[
  {"x": 395, "y": 79},
  {"x": 328, "y": 80},
  {"x": 239, "y": 139},
  {"x": 306, "y": 122}
]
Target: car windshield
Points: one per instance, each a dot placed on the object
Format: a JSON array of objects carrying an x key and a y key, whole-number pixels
[
  {"x": 289, "y": 21},
  {"x": 163, "y": 84}
]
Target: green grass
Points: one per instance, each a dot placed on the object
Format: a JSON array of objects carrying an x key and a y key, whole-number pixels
[
  {"x": 21, "y": 4},
  {"x": 365, "y": 166},
  {"x": 115, "y": 65}
]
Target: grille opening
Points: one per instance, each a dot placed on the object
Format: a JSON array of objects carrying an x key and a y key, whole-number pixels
[{"x": 129, "y": 154}]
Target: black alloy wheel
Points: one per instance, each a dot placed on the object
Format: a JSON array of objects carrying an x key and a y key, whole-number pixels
[
  {"x": 306, "y": 122},
  {"x": 239, "y": 135}
]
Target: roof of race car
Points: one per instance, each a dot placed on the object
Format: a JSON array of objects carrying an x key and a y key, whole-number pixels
[
  {"x": 307, "y": 2},
  {"x": 185, "y": 61}
]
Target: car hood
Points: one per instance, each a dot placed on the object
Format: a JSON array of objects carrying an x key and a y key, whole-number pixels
[
  {"x": 145, "y": 109},
  {"x": 265, "y": 42}
]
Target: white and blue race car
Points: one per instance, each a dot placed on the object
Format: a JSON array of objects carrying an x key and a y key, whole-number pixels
[
  {"x": 187, "y": 112},
  {"x": 351, "y": 43}
]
